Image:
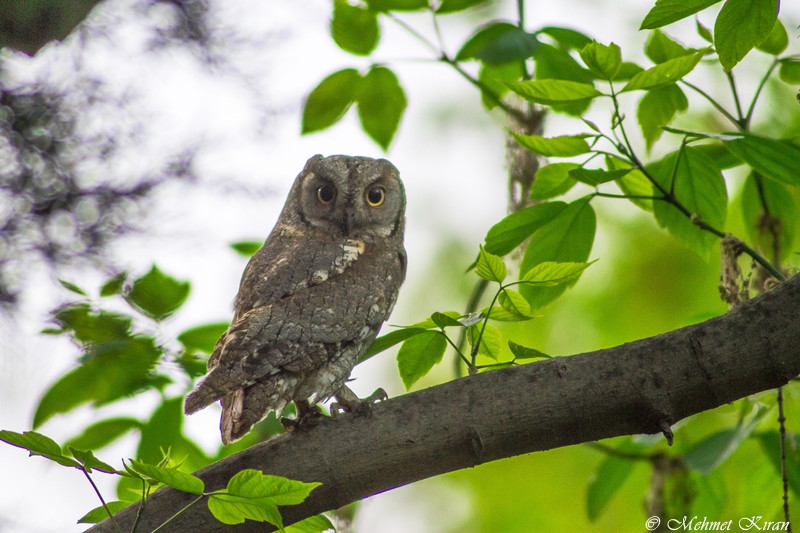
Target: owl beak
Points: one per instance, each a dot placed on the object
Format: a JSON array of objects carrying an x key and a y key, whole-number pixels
[{"x": 349, "y": 222}]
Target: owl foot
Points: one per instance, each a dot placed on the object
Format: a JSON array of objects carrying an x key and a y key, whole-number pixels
[
  {"x": 308, "y": 416},
  {"x": 350, "y": 403}
]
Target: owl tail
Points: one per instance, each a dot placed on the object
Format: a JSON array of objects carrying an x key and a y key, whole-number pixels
[
  {"x": 244, "y": 408},
  {"x": 201, "y": 397}
]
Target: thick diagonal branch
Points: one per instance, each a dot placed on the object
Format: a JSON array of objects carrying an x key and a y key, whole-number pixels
[{"x": 629, "y": 389}]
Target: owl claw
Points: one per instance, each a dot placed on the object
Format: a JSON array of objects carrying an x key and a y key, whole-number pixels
[
  {"x": 351, "y": 403},
  {"x": 308, "y": 416}
]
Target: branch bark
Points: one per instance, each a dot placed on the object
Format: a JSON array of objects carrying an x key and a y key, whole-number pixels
[{"x": 630, "y": 389}]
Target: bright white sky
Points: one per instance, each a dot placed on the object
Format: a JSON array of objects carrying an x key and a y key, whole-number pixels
[{"x": 244, "y": 117}]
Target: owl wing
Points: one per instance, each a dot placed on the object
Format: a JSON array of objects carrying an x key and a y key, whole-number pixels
[{"x": 343, "y": 302}]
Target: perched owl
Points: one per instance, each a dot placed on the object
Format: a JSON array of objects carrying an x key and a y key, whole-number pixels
[{"x": 313, "y": 298}]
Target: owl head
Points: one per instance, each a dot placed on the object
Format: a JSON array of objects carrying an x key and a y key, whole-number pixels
[{"x": 353, "y": 197}]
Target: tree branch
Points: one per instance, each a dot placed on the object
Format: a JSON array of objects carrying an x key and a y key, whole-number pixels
[{"x": 629, "y": 389}]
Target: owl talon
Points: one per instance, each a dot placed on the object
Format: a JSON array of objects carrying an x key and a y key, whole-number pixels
[
  {"x": 350, "y": 403},
  {"x": 308, "y": 416}
]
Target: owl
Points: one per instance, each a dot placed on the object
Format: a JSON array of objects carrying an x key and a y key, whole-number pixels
[{"x": 313, "y": 298}]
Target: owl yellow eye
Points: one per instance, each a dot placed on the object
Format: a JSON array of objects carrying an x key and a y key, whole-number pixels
[
  {"x": 376, "y": 196},
  {"x": 326, "y": 194}
]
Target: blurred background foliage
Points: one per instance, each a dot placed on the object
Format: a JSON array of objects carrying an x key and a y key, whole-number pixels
[{"x": 645, "y": 283}]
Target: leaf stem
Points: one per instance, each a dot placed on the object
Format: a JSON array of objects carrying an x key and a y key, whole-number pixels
[
  {"x": 415, "y": 33},
  {"x": 97, "y": 491},
  {"x": 608, "y": 450},
  {"x": 179, "y": 512},
  {"x": 472, "y": 306},
  {"x": 476, "y": 346},
  {"x": 714, "y": 103},
  {"x": 761, "y": 84},
  {"x": 140, "y": 511},
  {"x": 732, "y": 83},
  {"x": 508, "y": 110}
]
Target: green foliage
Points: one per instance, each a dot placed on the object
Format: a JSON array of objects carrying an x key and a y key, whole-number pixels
[
  {"x": 381, "y": 102},
  {"x": 604, "y": 61},
  {"x": 740, "y": 26},
  {"x": 329, "y": 100},
  {"x": 768, "y": 211},
  {"x": 490, "y": 267},
  {"x": 523, "y": 352},
  {"x": 606, "y": 482},
  {"x": 418, "y": 354},
  {"x": 663, "y": 74},
  {"x": 256, "y": 496},
  {"x": 203, "y": 338},
  {"x": 512, "y": 45},
  {"x": 157, "y": 294},
  {"x": 773, "y": 158},
  {"x": 699, "y": 186},
  {"x": 102, "y": 433},
  {"x": 561, "y": 146},
  {"x": 669, "y": 11},
  {"x": 552, "y": 180},
  {"x": 712, "y": 451},
  {"x": 770, "y": 445},
  {"x": 249, "y": 248},
  {"x": 355, "y": 29},
  {"x": 483, "y": 37},
  {"x": 657, "y": 108},
  {"x": 568, "y": 237},
  {"x": 98, "y": 514},
  {"x": 777, "y": 40},
  {"x": 114, "y": 285},
  {"x": 169, "y": 476},
  {"x": 453, "y": 6},
  {"x": 551, "y": 91}
]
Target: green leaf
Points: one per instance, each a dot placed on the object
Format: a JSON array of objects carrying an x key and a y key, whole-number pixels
[
  {"x": 609, "y": 478},
  {"x": 514, "y": 303},
  {"x": 549, "y": 92},
  {"x": 700, "y": 187},
  {"x": 661, "y": 48},
  {"x": 550, "y": 273},
  {"x": 355, "y": 29},
  {"x": 500, "y": 314},
  {"x": 490, "y": 267},
  {"x": 482, "y": 37},
  {"x": 249, "y": 248},
  {"x": 163, "y": 432},
  {"x": 666, "y": 73},
  {"x": 719, "y": 154},
  {"x": 605, "y": 61},
  {"x": 557, "y": 63},
  {"x": 566, "y": 37},
  {"x": 91, "y": 328},
  {"x": 102, "y": 433},
  {"x": 114, "y": 370},
  {"x": 669, "y": 11},
  {"x": 38, "y": 444},
  {"x": 114, "y": 285},
  {"x": 491, "y": 340},
  {"x": 741, "y": 25},
  {"x": 90, "y": 462},
  {"x": 512, "y": 45},
  {"x": 443, "y": 321},
  {"x": 790, "y": 71},
  {"x": 704, "y": 32},
  {"x": 325, "y": 105},
  {"x": 381, "y": 102},
  {"x": 657, "y": 108},
  {"x": 98, "y": 514},
  {"x": 771, "y": 446},
  {"x": 418, "y": 354},
  {"x": 510, "y": 232},
  {"x": 595, "y": 177},
  {"x": 231, "y": 509},
  {"x": 523, "y": 352},
  {"x": 634, "y": 183},
  {"x": 552, "y": 180},
  {"x": 568, "y": 237},
  {"x": 428, "y": 323},
  {"x": 157, "y": 294},
  {"x": 170, "y": 476},
  {"x": 72, "y": 287},
  {"x": 773, "y": 158},
  {"x": 203, "y": 338},
  {"x": 627, "y": 71},
  {"x": 496, "y": 78},
  {"x": 387, "y": 341},
  {"x": 313, "y": 524},
  {"x": 561, "y": 146},
  {"x": 713, "y": 450},
  {"x": 397, "y": 5},
  {"x": 777, "y": 40},
  {"x": 453, "y": 6},
  {"x": 781, "y": 211}
]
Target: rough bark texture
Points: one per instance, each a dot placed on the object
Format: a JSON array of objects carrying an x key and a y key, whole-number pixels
[{"x": 629, "y": 389}]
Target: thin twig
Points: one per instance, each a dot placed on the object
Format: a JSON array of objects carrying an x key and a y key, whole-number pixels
[
  {"x": 714, "y": 103},
  {"x": 97, "y": 491},
  {"x": 784, "y": 475},
  {"x": 179, "y": 512},
  {"x": 472, "y": 306},
  {"x": 600, "y": 447},
  {"x": 732, "y": 83},
  {"x": 761, "y": 84}
]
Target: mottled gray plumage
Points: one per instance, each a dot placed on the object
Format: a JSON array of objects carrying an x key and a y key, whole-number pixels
[{"x": 313, "y": 298}]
